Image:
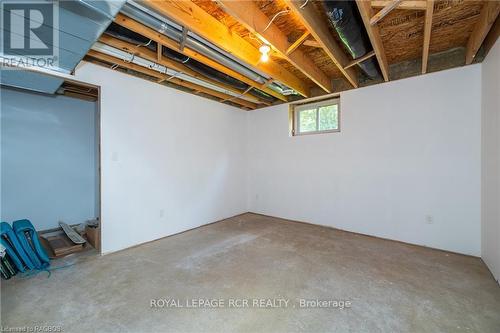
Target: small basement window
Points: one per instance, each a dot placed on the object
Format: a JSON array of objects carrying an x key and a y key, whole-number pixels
[{"x": 315, "y": 117}]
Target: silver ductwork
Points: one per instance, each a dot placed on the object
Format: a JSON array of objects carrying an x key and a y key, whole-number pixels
[
  {"x": 125, "y": 56},
  {"x": 80, "y": 23},
  {"x": 173, "y": 31}
]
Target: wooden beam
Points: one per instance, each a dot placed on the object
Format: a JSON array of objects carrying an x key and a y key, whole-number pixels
[
  {"x": 312, "y": 43},
  {"x": 412, "y": 5},
  {"x": 161, "y": 39},
  {"x": 384, "y": 11},
  {"x": 492, "y": 37},
  {"x": 252, "y": 18},
  {"x": 318, "y": 28},
  {"x": 146, "y": 53},
  {"x": 187, "y": 13},
  {"x": 159, "y": 50},
  {"x": 160, "y": 76},
  {"x": 363, "y": 58},
  {"x": 366, "y": 12},
  {"x": 298, "y": 42},
  {"x": 427, "y": 34},
  {"x": 487, "y": 17}
]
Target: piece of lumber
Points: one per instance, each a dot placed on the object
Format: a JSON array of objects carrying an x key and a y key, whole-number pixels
[
  {"x": 492, "y": 37},
  {"x": 318, "y": 28},
  {"x": 188, "y": 14},
  {"x": 427, "y": 34},
  {"x": 366, "y": 12},
  {"x": 361, "y": 59},
  {"x": 312, "y": 43},
  {"x": 298, "y": 42},
  {"x": 412, "y": 5},
  {"x": 384, "y": 11},
  {"x": 252, "y": 18},
  {"x": 488, "y": 15}
]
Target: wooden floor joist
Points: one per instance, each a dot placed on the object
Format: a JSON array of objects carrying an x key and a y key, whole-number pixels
[
  {"x": 366, "y": 12},
  {"x": 312, "y": 43},
  {"x": 161, "y": 39},
  {"x": 252, "y": 18},
  {"x": 361, "y": 59},
  {"x": 298, "y": 42},
  {"x": 488, "y": 15},
  {"x": 427, "y": 34},
  {"x": 187, "y": 13},
  {"x": 405, "y": 4},
  {"x": 160, "y": 76},
  {"x": 150, "y": 55},
  {"x": 384, "y": 11},
  {"x": 319, "y": 30}
]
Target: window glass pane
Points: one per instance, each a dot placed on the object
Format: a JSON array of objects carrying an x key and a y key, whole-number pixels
[
  {"x": 328, "y": 118},
  {"x": 307, "y": 120}
]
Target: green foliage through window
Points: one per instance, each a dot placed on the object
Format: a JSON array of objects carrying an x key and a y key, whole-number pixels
[
  {"x": 307, "y": 119},
  {"x": 318, "y": 117}
]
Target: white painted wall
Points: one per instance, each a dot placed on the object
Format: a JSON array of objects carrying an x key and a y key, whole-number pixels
[
  {"x": 48, "y": 159},
  {"x": 491, "y": 160},
  {"x": 407, "y": 149},
  {"x": 170, "y": 161}
]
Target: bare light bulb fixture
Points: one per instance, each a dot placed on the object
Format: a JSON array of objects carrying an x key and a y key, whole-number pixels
[{"x": 264, "y": 51}]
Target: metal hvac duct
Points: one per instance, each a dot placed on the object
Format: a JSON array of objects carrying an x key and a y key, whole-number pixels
[
  {"x": 80, "y": 23},
  {"x": 172, "y": 30},
  {"x": 122, "y": 33},
  {"x": 345, "y": 18},
  {"x": 117, "y": 53}
]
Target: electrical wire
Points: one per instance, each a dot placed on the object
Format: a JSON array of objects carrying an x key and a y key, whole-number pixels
[
  {"x": 144, "y": 44},
  {"x": 238, "y": 96},
  {"x": 274, "y": 17}
]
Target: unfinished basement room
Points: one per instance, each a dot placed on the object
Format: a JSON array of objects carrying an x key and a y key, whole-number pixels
[{"x": 250, "y": 166}]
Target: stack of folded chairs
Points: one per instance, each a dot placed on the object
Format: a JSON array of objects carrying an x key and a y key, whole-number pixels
[{"x": 21, "y": 249}]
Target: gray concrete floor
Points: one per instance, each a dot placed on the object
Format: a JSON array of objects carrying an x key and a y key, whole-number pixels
[{"x": 392, "y": 287}]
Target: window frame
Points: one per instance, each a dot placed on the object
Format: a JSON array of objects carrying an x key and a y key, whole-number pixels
[{"x": 295, "y": 110}]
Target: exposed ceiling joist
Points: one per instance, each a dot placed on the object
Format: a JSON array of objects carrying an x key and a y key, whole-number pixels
[
  {"x": 150, "y": 72},
  {"x": 427, "y": 34},
  {"x": 161, "y": 39},
  {"x": 361, "y": 59},
  {"x": 405, "y": 4},
  {"x": 312, "y": 43},
  {"x": 366, "y": 12},
  {"x": 318, "y": 28},
  {"x": 384, "y": 11},
  {"x": 492, "y": 37},
  {"x": 298, "y": 42},
  {"x": 205, "y": 25},
  {"x": 488, "y": 15},
  {"x": 150, "y": 55},
  {"x": 249, "y": 14}
]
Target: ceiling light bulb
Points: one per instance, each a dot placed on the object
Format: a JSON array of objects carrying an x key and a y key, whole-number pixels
[{"x": 264, "y": 50}]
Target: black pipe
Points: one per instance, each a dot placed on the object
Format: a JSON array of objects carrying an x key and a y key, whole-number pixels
[
  {"x": 125, "y": 34},
  {"x": 203, "y": 69},
  {"x": 130, "y": 36},
  {"x": 345, "y": 18}
]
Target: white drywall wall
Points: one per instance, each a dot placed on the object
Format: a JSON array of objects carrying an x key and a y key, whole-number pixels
[
  {"x": 170, "y": 160},
  {"x": 48, "y": 159},
  {"x": 408, "y": 149},
  {"x": 491, "y": 160}
]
